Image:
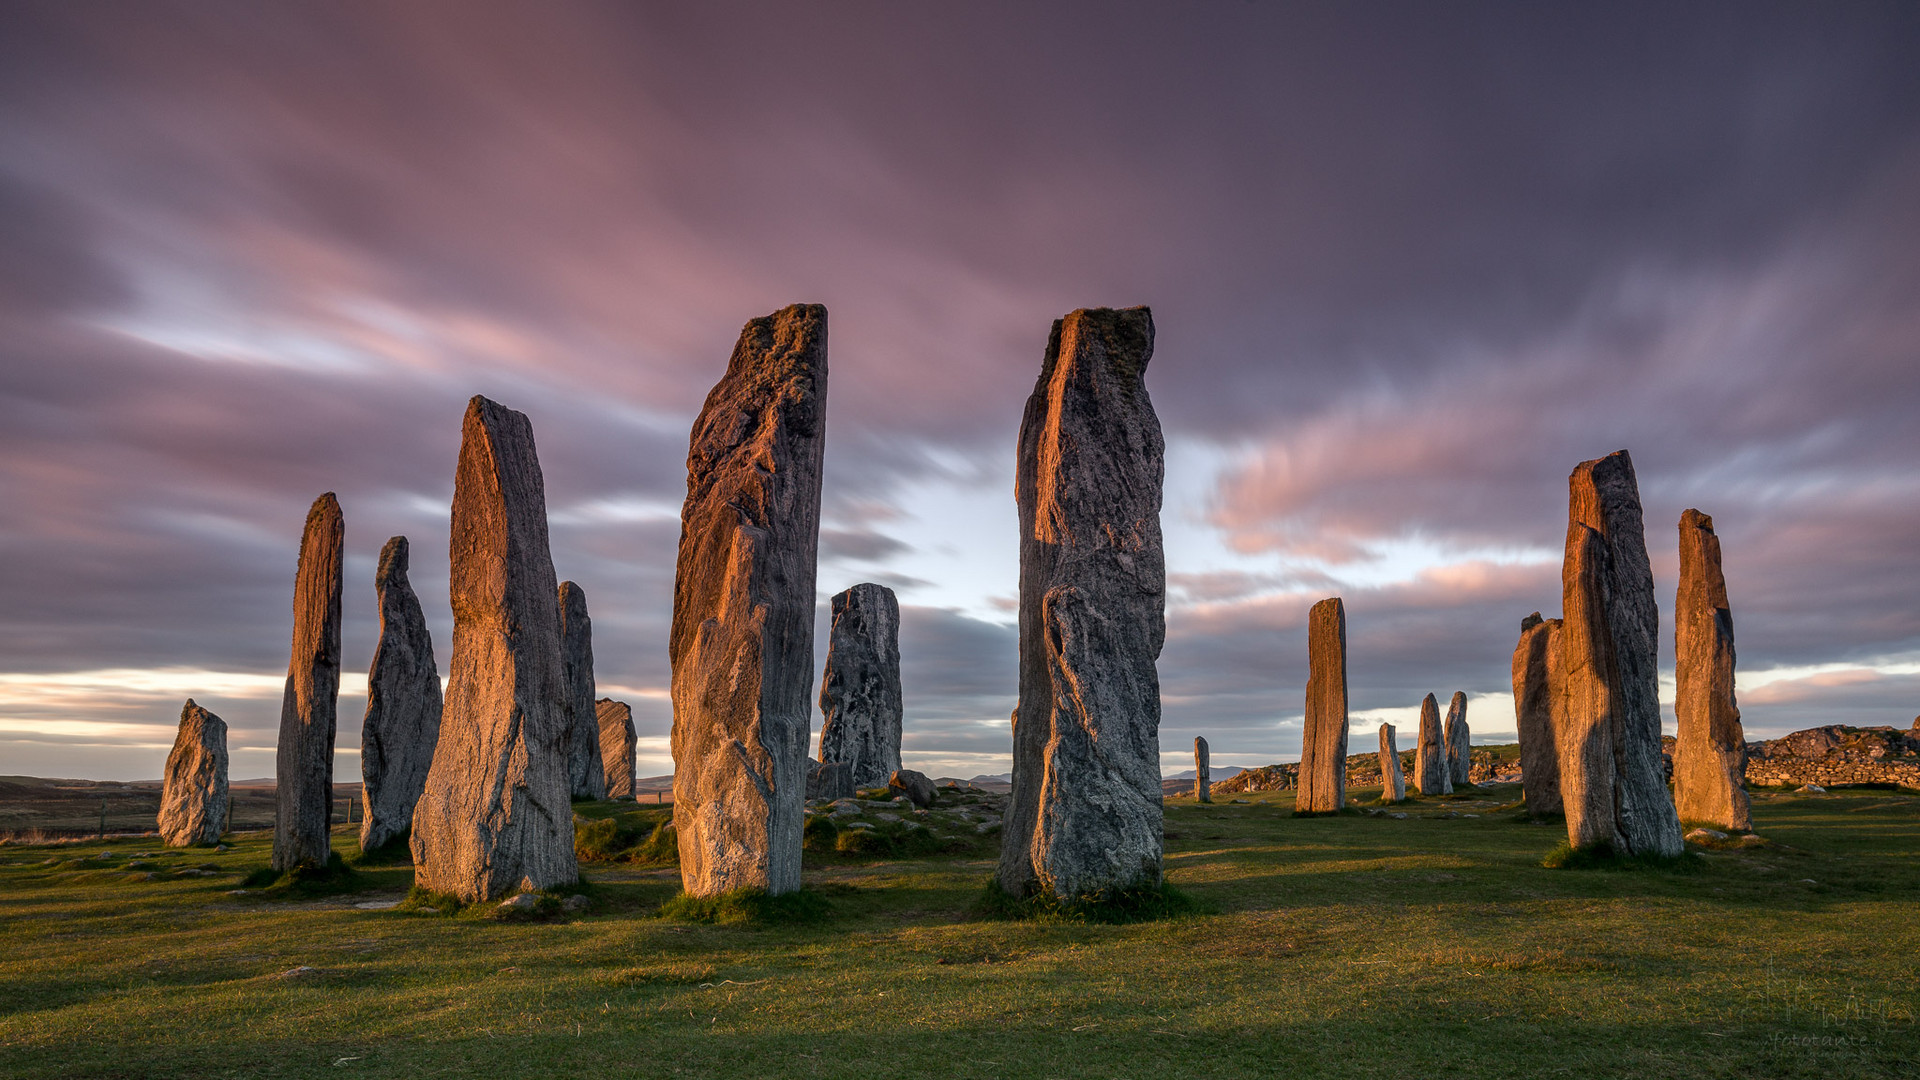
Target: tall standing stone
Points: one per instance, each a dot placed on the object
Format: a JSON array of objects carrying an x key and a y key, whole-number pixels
[
  {"x": 496, "y": 817},
  {"x": 1430, "y": 771},
  {"x": 615, "y": 719},
  {"x": 402, "y": 724},
  {"x": 1533, "y": 698},
  {"x": 1202, "y": 771},
  {"x": 193, "y": 794},
  {"x": 304, "y": 758},
  {"x": 1393, "y": 782},
  {"x": 1459, "y": 742},
  {"x": 1612, "y": 777},
  {"x": 742, "y": 638},
  {"x": 1710, "y": 752},
  {"x": 1323, "y": 747},
  {"x": 1084, "y": 817},
  {"x": 860, "y": 692},
  {"x": 586, "y": 775}
]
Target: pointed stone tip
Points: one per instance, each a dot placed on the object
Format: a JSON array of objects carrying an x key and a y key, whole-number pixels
[
  {"x": 189, "y": 707},
  {"x": 1126, "y": 335},
  {"x": 1694, "y": 519},
  {"x": 1530, "y": 622},
  {"x": 393, "y": 561}
]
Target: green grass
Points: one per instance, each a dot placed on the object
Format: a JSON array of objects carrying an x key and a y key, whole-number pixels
[{"x": 1342, "y": 946}]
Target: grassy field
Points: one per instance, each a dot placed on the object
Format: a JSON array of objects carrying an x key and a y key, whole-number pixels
[{"x": 1355, "y": 945}]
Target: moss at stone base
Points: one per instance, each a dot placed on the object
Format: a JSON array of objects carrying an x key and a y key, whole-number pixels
[
  {"x": 1144, "y": 904},
  {"x": 306, "y": 879},
  {"x": 750, "y": 907},
  {"x": 1603, "y": 856}
]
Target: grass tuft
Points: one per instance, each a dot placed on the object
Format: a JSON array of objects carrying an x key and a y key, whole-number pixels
[
  {"x": 750, "y": 907},
  {"x": 306, "y": 880},
  {"x": 1603, "y": 856},
  {"x": 1145, "y": 904}
]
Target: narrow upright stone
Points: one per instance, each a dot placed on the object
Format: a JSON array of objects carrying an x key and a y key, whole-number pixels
[
  {"x": 586, "y": 775},
  {"x": 1533, "y": 698},
  {"x": 615, "y": 719},
  {"x": 402, "y": 724},
  {"x": 1393, "y": 782},
  {"x": 193, "y": 794},
  {"x": 304, "y": 758},
  {"x": 860, "y": 692},
  {"x": 1202, "y": 771},
  {"x": 1710, "y": 753},
  {"x": 1084, "y": 818},
  {"x": 742, "y": 638},
  {"x": 1459, "y": 742},
  {"x": 496, "y": 818},
  {"x": 1323, "y": 747},
  {"x": 1430, "y": 771},
  {"x": 1608, "y": 719}
]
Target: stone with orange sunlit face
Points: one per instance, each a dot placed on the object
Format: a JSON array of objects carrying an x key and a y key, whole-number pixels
[
  {"x": 1459, "y": 741},
  {"x": 402, "y": 723},
  {"x": 1393, "y": 786},
  {"x": 616, "y": 746},
  {"x": 860, "y": 692},
  {"x": 1533, "y": 698},
  {"x": 303, "y": 761},
  {"x": 193, "y": 794},
  {"x": 1710, "y": 750},
  {"x": 743, "y": 597},
  {"x": 586, "y": 775},
  {"x": 1323, "y": 744},
  {"x": 1430, "y": 772},
  {"x": 496, "y": 818}
]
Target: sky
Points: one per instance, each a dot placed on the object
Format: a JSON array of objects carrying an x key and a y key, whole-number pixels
[{"x": 1409, "y": 264}]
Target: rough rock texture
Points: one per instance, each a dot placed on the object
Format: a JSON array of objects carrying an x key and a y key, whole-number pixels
[
  {"x": 586, "y": 774},
  {"x": 615, "y": 720},
  {"x": 496, "y": 818},
  {"x": 1710, "y": 751},
  {"x": 830, "y": 780},
  {"x": 1430, "y": 771},
  {"x": 917, "y": 786},
  {"x": 1083, "y": 817},
  {"x": 742, "y": 638},
  {"x": 1459, "y": 741},
  {"x": 1393, "y": 782},
  {"x": 1323, "y": 745},
  {"x": 1612, "y": 778},
  {"x": 304, "y": 759},
  {"x": 1533, "y": 698},
  {"x": 860, "y": 692},
  {"x": 193, "y": 794},
  {"x": 402, "y": 724},
  {"x": 1202, "y": 771}
]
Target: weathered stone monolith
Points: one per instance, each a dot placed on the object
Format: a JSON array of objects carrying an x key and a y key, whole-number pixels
[
  {"x": 860, "y": 692},
  {"x": 916, "y": 786},
  {"x": 829, "y": 780},
  {"x": 496, "y": 817},
  {"x": 1323, "y": 746},
  {"x": 304, "y": 758},
  {"x": 402, "y": 722},
  {"x": 1430, "y": 771},
  {"x": 1533, "y": 698},
  {"x": 586, "y": 774},
  {"x": 1710, "y": 752},
  {"x": 1084, "y": 817},
  {"x": 615, "y": 719},
  {"x": 1393, "y": 782},
  {"x": 1612, "y": 778},
  {"x": 1202, "y": 771},
  {"x": 193, "y": 794},
  {"x": 742, "y": 638},
  {"x": 1459, "y": 742}
]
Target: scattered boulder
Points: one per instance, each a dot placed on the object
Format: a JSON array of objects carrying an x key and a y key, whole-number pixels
[
  {"x": 1323, "y": 746},
  {"x": 830, "y": 780},
  {"x": 742, "y": 639},
  {"x": 1459, "y": 742},
  {"x": 1393, "y": 782},
  {"x": 1710, "y": 750},
  {"x": 521, "y": 902},
  {"x": 1811, "y": 789},
  {"x": 1533, "y": 699},
  {"x": 496, "y": 817},
  {"x": 304, "y": 758},
  {"x": 914, "y": 785},
  {"x": 1430, "y": 771},
  {"x": 1202, "y": 771},
  {"x": 1084, "y": 815},
  {"x": 586, "y": 775},
  {"x": 860, "y": 691},
  {"x": 193, "y": 794},
  {"x": 617, "y": 752},
  {"x": 402, "y": 723}
]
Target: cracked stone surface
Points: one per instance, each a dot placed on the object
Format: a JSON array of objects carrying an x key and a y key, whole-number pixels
[
  {"x": 402, "y": 723},
  {"x": 1710, "y": 748},
  {"x": 193, "y": 791},
  {"x": 860, "y": 692},
  {"x": 303, "y": 760}
]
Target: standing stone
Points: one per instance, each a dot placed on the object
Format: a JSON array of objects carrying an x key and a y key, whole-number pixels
[
  {"x": 1323, "y": 748},
  {"x": 742, "y": 639},
  {"x": 1612, "y": 777},
  {"x": 1430, "y": 771},
  {"x": 1393, "y": 782},
  {"x": 193, "y": 795},
  {"x": 1710, "y": 753},
  {"x": 860, "y": 692},
  {"x": 304, "y": 758},
  {"x": 615, "y": 720},
  {"x": 1459, "y": 742},
  {"x": 496, "y": 818},
  {"x": 1083, "y": 819},
  {"x": 1202, "y": 771},
  {"x": 586, "y": 775},
  {"x": 402, "y": 724},
  {"x": 829, "y": 780},
  {"x": 1533, "y": 698}
]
